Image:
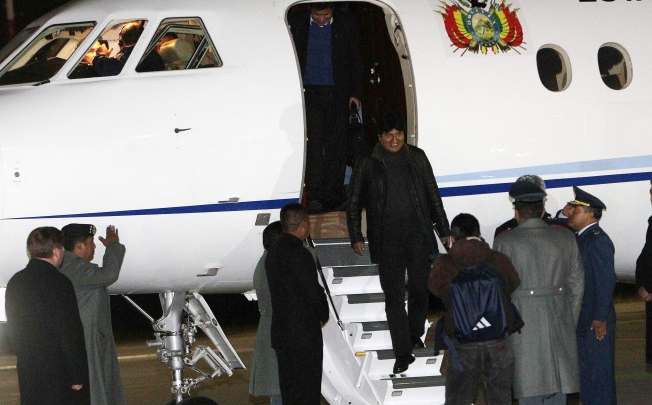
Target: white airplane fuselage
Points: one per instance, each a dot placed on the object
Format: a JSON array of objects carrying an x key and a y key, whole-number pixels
[{"x": 105, "y": 150}]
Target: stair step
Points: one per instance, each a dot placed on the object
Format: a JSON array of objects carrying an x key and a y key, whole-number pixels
[
  {"x": 416, "y": 352},
  {"x": 411, "y": 390},
  {"x": 341, "y": 254},
  {"x": 361, "y": 307},
  {"x": 368, "y": 336},
  {"x": 425, "y": 364},
  {"x": 353, "y": 280}
]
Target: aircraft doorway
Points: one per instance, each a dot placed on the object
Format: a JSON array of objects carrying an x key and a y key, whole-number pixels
[{"x": 387, "y": 79}]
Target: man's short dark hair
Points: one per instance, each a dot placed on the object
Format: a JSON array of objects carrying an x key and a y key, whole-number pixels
[
  {"x": 130, "y": 33},
  {"x": 529, "y": 210},
  {"x": 271, "y": 234},
  {"x": 323, "y": 5},
  {"x": 292, "y": 215},
  {"x": 70, "y": 243},
  {"x": 42, "y": 241},
  {"x": 597, "y": 212},
  {"x": 390, "y": 120},
  {"x": 464, "y": 226}
]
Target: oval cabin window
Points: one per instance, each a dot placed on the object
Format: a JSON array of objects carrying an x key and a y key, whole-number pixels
[
  {"x": 615, "y": 66},
  {"x": 554, "y": 68}
]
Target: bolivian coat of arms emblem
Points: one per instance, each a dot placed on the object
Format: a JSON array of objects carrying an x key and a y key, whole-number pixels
[{"x": 479, "y": 27}]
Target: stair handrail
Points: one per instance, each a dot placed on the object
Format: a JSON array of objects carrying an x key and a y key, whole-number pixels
[{"x": 311, "y": 243}]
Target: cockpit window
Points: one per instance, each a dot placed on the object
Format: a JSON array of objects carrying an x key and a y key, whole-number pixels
[
  {"x": 43, "y": 58},
  {"x": 16, "y": 42},
  {"x": 182, "y": 43},
  {"x": 111, "y": 50},
  {"x": 615, "y": 66}
]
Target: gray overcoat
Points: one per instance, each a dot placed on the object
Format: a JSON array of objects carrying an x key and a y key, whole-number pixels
[
  {"x": 549, "y": 298},
  {"x": 90, "y": 282},
  {"x": 263, "y": 378}
]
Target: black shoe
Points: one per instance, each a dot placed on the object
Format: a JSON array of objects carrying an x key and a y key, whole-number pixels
[
  {"x": 400, "y": 365},
  {"x": 416, "y": 342}
]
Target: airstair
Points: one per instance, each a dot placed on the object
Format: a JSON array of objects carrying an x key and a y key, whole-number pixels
[{"x": 358, "y": 357}]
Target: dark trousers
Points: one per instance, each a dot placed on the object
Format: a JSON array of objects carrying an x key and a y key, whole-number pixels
[
  {"x": 39, "y": 388},
  {"x": 299, "y": 374},
  {"x": 648, "y": 333},
  {"x": 404, "y": 247},
  {"x": 493, "y": 361},
  {"x": 597, "y": 369},
  {"x": 326, "y": 122}
]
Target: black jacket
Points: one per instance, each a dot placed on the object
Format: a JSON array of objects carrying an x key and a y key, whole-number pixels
[
  {"x": 368, "y": 189},
  {"x": 644, "y": 261},
  {"x": 298, "y": 301},
  {"x": 46, "y": 334},
  {"x": 345, "y": 40}
]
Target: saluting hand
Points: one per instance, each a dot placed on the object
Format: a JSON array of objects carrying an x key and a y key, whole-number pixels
[{"x": 111, "y": 235}]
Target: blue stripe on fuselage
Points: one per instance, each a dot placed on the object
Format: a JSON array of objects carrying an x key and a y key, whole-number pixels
[{"x": 455, "y": 191}]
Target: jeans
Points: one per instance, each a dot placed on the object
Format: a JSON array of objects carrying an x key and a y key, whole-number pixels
[{"x": 493, "y": 361}]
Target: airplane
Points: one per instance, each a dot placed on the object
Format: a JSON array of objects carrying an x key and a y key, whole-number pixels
[{"x": 193, "y": 160}]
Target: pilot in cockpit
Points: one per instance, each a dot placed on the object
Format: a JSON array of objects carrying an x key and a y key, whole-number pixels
[{"x": 106, "y": 65}]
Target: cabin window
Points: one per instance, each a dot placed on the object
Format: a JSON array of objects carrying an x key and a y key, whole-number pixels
[
  {"x": 16, "y": 42},
  {"x": 110, "y": 51},
  {"x": 46, "y": 54},
  {"x": 182, "y": 43},
  {"x": 615, "y": 66},
  {"x": 554, "y": 68}
]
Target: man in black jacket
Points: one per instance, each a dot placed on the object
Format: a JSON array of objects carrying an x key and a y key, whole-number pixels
[
  {"x": 328, "y": 48},
  {"x": 45, "y": 330},
  {"x": 300, "y": 310},
  {"x": 398, "y": 188},
  {"x": 644, "y": 281}
]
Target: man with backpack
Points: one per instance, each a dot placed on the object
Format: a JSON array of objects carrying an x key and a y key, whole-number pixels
[
  {"x": 549, "y": 298},
  {"x": 475, "y": 283}
]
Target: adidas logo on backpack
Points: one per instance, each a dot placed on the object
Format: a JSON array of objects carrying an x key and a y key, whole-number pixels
[{"x": 477, "y": 305}]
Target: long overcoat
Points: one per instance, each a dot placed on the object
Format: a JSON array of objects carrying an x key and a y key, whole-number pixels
[
  {"x": 90, "y": 282},
  {"x": 46, "y": 334},
  {"x": 263, "y": 378},
  {"x": 549, "y": 298},
  {"x": 597, "y": 368}
]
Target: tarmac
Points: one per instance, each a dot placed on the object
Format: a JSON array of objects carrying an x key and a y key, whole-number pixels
[{"x": 148, "y": 382}]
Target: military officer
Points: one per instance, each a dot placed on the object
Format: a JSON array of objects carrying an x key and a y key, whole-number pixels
[
  {"x": 91, "y": 282},
  {"x": 596, "y": 329},
  {"x": 644, "y": 281}
]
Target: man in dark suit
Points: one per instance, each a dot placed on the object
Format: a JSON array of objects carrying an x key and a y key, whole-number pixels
[
  {"x": 596, "y": 329},
  {"x": 45, "y": 330},
  {"x": 300, "y": 310},
  {"x": 644, "y": 281},
  {"x": 328, "y": 48}
]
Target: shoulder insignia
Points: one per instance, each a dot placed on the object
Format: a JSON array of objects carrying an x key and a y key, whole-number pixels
[
  {"x": 596, "y": 232},
  {"x": 471, "y": 27}
]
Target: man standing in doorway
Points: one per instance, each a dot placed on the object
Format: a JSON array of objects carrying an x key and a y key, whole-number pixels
[
  {"x": 91, "y": 282},
  {"x": 644, "y": 281},
  {"x": 300, "y": 310},
  {"x": 44, "y": 328},
  {"x": 397, "y": 186},
  {"x": 549, "y": 298},
  {"x": 596, "y": 330},
  {"x": 328, "y": 48}
]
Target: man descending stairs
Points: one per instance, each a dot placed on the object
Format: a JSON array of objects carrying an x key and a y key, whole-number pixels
[{"x": 358, "y": 356}]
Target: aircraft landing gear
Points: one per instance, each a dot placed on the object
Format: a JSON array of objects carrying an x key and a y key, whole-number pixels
[{"x": 174, "y": 339}]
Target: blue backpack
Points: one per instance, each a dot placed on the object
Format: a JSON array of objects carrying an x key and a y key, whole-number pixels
[{"x": 476, "y": 300}]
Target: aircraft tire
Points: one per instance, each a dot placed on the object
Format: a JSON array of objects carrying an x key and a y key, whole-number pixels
[{"x": 193, "y": 401}]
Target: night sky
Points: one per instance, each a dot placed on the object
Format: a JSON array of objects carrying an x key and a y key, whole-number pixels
[{"x": 26, "y": 12}]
